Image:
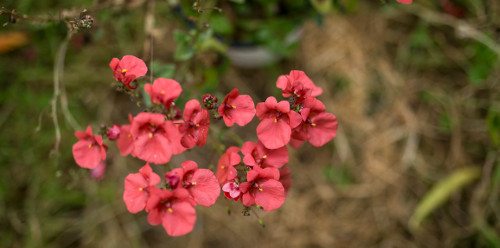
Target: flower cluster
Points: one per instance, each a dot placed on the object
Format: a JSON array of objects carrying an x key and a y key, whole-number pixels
[
  {"x": 254, "y": 174},
  {"x": 173, "y": 205},
  {"x": 263, "y": 179}
]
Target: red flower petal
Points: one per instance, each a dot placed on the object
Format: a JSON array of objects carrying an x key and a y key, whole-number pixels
[
  {"x": 163, "y": 91},
  {"x": 274, "y": 134},
  {"x": 180, "y": 220},
  {"x": 270, "y": 195},
  {"x": 125, "y": 141},
  {"x": 324, "y": 129},
  {"x": 87, "y": 154},
  {"x": 205, "y": 188}
]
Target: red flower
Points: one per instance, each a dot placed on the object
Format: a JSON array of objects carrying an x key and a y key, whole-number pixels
[
  {"x": 138, "y": 187},
  {"x": 163, "y": 91},
  {"x": 89, "y": 150},
  {"x": 155, "y": 140},
  {"x": 298, "y": 85},
  {"x": 225, "y": 169},
  {"x": 237, "y": 108},
  {"x": 318, "y": 126},
  {"x": 263, "y": 188},
  {"x": 171, "y": 209},
  {"x": 128, "y": 69},
  {"x": 258, "y": 154},
  {"x": 195, "y": 127},
  {"x": 277, "y": 122},
  {"x": 405, "y": 1},
  {"x": 201, "y": 183}
]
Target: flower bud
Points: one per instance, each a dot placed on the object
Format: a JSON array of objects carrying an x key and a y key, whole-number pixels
[
  {"x": 209, "y": 101},
  {"x": 172, "y": 179},
  {"x": 113, "y": 132}
]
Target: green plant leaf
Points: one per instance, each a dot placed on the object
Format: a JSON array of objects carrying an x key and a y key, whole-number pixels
[
  {"x": 441, "y": 192},
  {"x": 322, "y": 6},
  {"x": 184, "y": 49},
  {"x": 493, "y": 120},
  {"x": 482, "y": 64}
]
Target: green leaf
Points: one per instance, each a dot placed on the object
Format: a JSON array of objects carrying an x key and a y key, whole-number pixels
[
  {"x": 441, "y": 192},
  {"x": 220, "y": 24},
  {"x": 340, "y": 176},
  {"x": 322, "y": 6},
  {"x": 493, "y": 120},
  {"x": 163, "y": 71},
  {"x": 184, "y": 49},
  {"x": 482, "y": 64}
]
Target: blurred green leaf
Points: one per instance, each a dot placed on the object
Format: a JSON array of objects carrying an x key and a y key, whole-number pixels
[
  {"x": 493, "y": 120},
  {"x": 495, "y": 181},
  {"x": 489, "y": 234},
  {"x": 441, "y": 192},
  {"x": 163, "y": 70},
  {"x": 482, "y": 64},
  {"x": 322, "y": 6},
  {"x": 211, "y": 81},
  {"x": 184, "y": 49},
  {"x": 221, "y": 24},
  {"x": 338, "y": 175}
]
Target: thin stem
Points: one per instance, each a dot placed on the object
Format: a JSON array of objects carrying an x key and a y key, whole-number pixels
[{"x": 58, "y": 67}]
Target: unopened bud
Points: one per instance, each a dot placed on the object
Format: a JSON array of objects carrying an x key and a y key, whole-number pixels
[
  {"x": 113, "y": 132},
  {"x": 209, "y": 101},
  {"x": 85, "y": 21}
]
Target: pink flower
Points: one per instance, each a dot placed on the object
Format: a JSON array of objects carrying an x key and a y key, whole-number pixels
[
  {"x": 172, "y": 210},
  {"x": 128, "y": 69},
  {"x": 232, "y": 190},
  {"x": 196, "y": 123},
  {"x": 89, "y": 151},
  {"x": 225, "y": 169},
  {"x": 277, "y": 122},
  {"x": 113, "y": 132},
  {"x": 201, "y": 183},
  {"x": 318, "y": 127},
  {"x": 155, "y": 140},
  {"x": 237, "y": 108},
  {"x": 258, "y": 154},
  {"x": 298, "y": 85},
  {"x": 405, "y": 1},
  {"x": 163, "y": 91},
  {"x": 263, "y": 188},
  {"x": 138, "y": 187}
]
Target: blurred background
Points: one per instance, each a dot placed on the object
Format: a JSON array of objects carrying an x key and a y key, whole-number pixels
[{"x": 415, "y": 88}]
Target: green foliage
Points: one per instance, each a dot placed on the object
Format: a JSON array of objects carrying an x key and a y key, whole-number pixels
[
  {"x": 340, "y": 175},
  {"x": 322, "y": 6},
  {"x": 493, "y": 121},
  {"x": 441, "y": 192},
  {"x": 481, "y": 64},
  {"x": 184, "y": 49}
]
